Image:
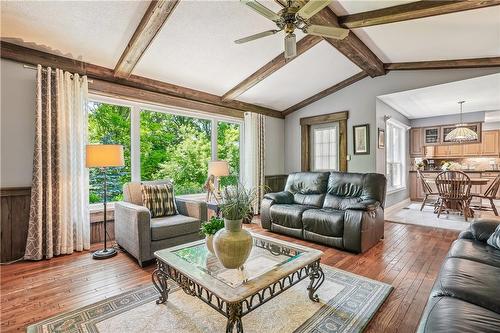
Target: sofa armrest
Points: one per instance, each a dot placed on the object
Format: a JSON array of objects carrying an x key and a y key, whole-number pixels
[
  {"x": 480, "y": 230},
  {"x": 192, "y": 208},
  {"x": 366, "y": 205},
  {"x": 133, "y": 230},
  {"x": 284, "y": 197}
]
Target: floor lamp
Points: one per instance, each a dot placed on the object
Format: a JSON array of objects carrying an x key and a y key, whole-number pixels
[{"x": 103, "y": 157}]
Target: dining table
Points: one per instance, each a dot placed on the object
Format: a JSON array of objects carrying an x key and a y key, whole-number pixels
[{"x": 473, "y": 181}]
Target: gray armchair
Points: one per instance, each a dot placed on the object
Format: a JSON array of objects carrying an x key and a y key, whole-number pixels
[{"x": 140, "y": 235}]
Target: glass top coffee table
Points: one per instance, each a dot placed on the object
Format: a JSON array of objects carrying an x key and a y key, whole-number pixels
[{"x": 273, "y": 267}]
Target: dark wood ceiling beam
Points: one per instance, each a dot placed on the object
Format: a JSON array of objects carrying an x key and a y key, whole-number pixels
[
  {"x": 302, "y": 46},
  {"x": 153, "y": 20},
  {"x": 445, "y": 64},
  {"x": 326, "y": 92},
  {"x": 411, "y": 11},
  {"x": 351, "y": 46},
  {"x": 30, "y": 56}
]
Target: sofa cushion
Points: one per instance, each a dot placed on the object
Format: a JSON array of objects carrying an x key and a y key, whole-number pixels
[
  {"x": 173, "y": 226},
  {"x": 366, "y": 186},
  {"x": 475, "y": 251},
  {"x": 308, "y": 188},
  {"x": 289, "y": 216},
  {"x": 447, "y": 314},
  {"x": 340, "y": 203},
  {"x": 326, "y": 222},
  {"x": 494, "y": 239},
  {"x": 469, "y": 281}
]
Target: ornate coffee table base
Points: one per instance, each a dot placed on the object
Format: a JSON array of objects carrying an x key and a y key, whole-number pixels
[{"x": 235, "y": 311}]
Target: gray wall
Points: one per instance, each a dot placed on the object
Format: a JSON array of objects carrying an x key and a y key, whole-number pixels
[
  {"x": 360, "y": 100},
  {"x": 383, "y": 110},
  {"x": 468, "y": 117},
  {"x": 17, "y": 124}
]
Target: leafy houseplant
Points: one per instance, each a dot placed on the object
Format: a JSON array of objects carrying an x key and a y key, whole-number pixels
[
  {"x": 233, "y": 244},
  {"x": 209, "y": 229}
]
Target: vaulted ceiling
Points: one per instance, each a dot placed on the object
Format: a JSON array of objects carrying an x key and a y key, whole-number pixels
[{"x": 194, "y": 47}]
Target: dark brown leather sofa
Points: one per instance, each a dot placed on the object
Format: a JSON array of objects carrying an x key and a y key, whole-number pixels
[
  {"x": 466, "y": 294},
  {"x": 338, "y": 209}
]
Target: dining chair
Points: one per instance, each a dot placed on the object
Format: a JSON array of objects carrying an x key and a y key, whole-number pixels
[
  {"x": 454, "y": 192},
  {"x": 427, "y": 190},
  {"x": 490, "y": 194}
]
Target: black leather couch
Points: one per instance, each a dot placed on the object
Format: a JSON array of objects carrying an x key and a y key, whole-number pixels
[
  {"x": 466, "y": 294},
  {"x": 338, "y": 209}
]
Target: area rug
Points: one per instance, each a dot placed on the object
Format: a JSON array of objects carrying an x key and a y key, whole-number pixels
[
  {"x": 347, "y": 304},
  {"x": 412, "y": 215}
]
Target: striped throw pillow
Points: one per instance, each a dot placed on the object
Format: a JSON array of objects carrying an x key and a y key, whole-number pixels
[{"x": 159, "y": 199}]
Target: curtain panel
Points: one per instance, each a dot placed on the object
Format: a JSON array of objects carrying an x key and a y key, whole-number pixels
[
  {"x": 254, "y": 149},
  {"x": 59, "y": 217}
]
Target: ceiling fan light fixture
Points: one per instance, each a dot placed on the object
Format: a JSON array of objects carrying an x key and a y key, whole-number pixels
[
  {"x": 312, "y": 7},
  {"x": 290, "y": 46}
]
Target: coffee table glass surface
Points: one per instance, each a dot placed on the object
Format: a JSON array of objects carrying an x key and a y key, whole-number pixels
[{"x": 270, "y": 260}]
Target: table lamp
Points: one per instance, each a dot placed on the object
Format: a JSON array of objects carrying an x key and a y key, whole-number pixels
[
  {"x": 103, "y": 157},
  {"x": 217, "y": 169}
]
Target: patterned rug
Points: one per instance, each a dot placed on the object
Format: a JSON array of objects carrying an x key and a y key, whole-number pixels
[{"x": 347, "y": 304}]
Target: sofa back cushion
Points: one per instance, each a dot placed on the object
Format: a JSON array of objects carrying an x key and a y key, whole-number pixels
[
  {"x": 308, "y": 188},
  {"x": 345, "y": 188}
]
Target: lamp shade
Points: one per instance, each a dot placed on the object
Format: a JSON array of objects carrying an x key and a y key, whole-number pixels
[
  {"x": 98, "y": 156},
  {"x": 218, "y": 168}
]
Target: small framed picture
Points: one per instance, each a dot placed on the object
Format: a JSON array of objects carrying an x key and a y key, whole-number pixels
[
  {"x": 381, "y": 138},
  {"x": 361, "y": 139}
]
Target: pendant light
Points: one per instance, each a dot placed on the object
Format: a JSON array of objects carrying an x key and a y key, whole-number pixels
[{"x": 462, "y": 133}]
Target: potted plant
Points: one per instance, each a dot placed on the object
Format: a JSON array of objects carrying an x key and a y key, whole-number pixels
[
  {"x": 209, "y": 229},
  {"x": 233, "y": 244}
]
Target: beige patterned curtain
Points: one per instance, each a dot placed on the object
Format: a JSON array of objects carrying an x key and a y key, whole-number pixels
[
  {"x": 59, "y": 217},
  {"x": 254, "y": 149}
]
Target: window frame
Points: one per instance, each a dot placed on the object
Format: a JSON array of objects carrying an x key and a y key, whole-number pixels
[
  {"x": 403, "y": 153},
  {"x": 136, "y": 107},
  {"x": 331, "y": 125}
]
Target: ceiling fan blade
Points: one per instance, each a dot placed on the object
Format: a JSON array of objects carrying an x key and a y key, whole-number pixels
[
  {"x": 327, "y": 31},
  {"x": 256, "y": 36},
  {"x": 312, "y": 7},
  {"x": 262, "y": 10}
]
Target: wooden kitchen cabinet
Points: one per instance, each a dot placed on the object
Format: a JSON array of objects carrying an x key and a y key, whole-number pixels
[
  {"x": 472, "y": 149},
  {"x": 489, "y": 146},
  {"x": 455, "y": 150},
  {"x": 416, "y": 190},
  {"x": 416, "y": 142}
]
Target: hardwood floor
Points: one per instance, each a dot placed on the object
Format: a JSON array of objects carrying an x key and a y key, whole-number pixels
[{"x": 408, "y": 258}]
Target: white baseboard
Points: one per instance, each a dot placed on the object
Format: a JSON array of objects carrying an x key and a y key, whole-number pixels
[{"x": 398, "y": 206}]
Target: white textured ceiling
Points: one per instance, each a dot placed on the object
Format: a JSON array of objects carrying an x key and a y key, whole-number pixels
[
  {"x": 317, "y": 69},
  {"x": 92, "y": 31},
  {"x": 196, "y": 46},
  {"x": 344, "y": 7},
  {"x": 481, "y": 94},
  {"x": 468, "y": 34}
]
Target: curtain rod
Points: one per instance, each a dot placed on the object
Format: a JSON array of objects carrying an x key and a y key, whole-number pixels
[{"x": 44, "y": 69}]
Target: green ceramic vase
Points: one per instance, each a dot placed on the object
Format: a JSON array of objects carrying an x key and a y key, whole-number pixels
[{"x": 232, "y": 244}]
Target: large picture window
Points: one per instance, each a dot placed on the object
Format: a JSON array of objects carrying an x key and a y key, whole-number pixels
[
  {"x": 396, "y": 155},
  {"x": 109, "y": 124},
  {"x": 162, "y": 144},
  {"x": 177, "y": 148}
]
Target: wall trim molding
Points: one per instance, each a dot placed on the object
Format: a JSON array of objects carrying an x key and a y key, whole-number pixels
[{"x": 305, "y": 133}]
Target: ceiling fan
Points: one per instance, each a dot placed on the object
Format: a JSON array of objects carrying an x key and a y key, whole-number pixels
[{"x": 295, "y": 15}]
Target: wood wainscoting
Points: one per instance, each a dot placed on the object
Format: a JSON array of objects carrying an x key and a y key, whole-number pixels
[{"x": 15, "y": 211}]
